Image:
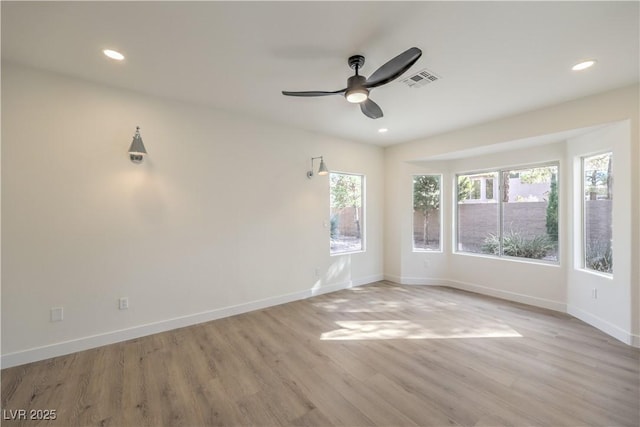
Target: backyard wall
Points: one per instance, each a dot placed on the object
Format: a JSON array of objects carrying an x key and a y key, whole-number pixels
[
  {"x": 477, "y": 220},
  {"x": 598, "y": 213},
  {"x": 433, "y": 227},
  {"x": 346, "y": 224}
]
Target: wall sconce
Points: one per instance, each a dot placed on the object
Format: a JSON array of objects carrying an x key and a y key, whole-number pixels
[
  {"x": 322, "y": 169},
  {"x": 137, "y": 150}
]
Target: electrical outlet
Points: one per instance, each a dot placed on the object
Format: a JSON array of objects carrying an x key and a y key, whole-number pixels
[
  {"x": 57, "y": 314},
  {"x": 123, "y": 303},
  {"x": 594, "y": 293},
  {"x": 317, "y": 271}
]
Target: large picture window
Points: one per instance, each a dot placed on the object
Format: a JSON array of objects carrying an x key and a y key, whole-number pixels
[
  {"x": 597, "y": 188},
  {"x": 426, "y": 212},
  {"x": 347, "y": 216},
  {"x": 510, "y": 212}
]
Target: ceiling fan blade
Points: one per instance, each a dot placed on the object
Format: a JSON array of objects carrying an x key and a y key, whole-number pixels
[
  {"x": 313, "y": 93},
  {"x": 394, "y": 68},
  {"x": 371, "y": 109}
]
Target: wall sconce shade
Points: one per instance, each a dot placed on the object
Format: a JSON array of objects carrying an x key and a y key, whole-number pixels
[
  {"x": 322, "y": 169},
  {"x": 137, "y": 150}
]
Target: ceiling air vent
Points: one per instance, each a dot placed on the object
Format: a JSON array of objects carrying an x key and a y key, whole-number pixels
[{"x": 420, "y": 79}]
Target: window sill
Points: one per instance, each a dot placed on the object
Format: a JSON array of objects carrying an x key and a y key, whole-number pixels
[
  {"x": 608, "y": 276},
  {"x": 511, "y": 259},
  {"x": 347, "y": 252},
  {"x": 427, "y": 251}
]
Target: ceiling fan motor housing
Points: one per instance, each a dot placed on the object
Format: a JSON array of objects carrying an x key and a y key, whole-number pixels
[{"x": 356, "y": 92}]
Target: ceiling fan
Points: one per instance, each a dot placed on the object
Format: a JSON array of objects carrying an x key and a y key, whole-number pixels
[{"x": 358, "y": 87}]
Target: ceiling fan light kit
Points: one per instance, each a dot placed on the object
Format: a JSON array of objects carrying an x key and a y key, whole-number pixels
[
  {"x": 356, "y": 92},
  {"x": 358, "y": 87},
  {"x": 356, "y": 96}
]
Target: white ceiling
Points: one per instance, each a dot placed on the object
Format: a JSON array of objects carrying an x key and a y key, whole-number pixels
[{"x": 494, "y": 58}]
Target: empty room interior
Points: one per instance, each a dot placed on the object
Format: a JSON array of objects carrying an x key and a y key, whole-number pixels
[{"x": 320, "y": 213}]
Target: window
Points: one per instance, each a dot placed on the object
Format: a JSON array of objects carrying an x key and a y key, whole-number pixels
[
  {"x": 426, "y": 212},
  {"x": 597, "y": 188},
  {"x": 478, "y": 215},
  {"x": 347, "y": 219},
  {"x": 510, "y": 212}
]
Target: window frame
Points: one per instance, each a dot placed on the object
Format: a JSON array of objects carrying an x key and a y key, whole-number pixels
[
  {"x": 500, "y": 172},
  {"x": 440, "y": 215},
  {"x": 456, "y": 216},
  {"x": 583, "y": 213},
  {"x": 363, "y": 219}
]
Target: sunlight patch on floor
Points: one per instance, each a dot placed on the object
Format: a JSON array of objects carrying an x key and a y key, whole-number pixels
[
  {"x": 344, "y": 305},
  {"x": 404, "y": 329}
]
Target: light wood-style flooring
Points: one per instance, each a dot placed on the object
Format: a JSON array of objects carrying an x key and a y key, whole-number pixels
[{"x": 377, "y": 355}]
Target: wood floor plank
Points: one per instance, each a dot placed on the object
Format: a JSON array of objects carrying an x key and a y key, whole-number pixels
[
  {"x": 329, "y": 402},
  {"x": 376, "y": 355}
]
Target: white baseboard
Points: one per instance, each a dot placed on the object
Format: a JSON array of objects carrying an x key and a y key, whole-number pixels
[
  {"x": 404, "y": 280},
  {"x": 367, "y": 280},
  {"x": 484, "y": 290},
  {"x": 511, "y": 296},
  {"x": 392, "y": 278},
  {"x": 315, "y": 291},
  {"x": 345, "y": 285},
  {"x": 86, "y": 343},
  {"x": 606, "y": 327},
  {"x": 424, "y": 281}
]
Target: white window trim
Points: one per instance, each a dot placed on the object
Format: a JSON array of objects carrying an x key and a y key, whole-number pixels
[
  {"x": 363, "y": 225},
  {"x": 582, "y": 241}
]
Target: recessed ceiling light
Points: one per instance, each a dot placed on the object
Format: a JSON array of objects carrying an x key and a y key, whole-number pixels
[
  {"x": 584, "y": 65},
  {"x": 382, "y": 130},
  {"x": 113, "y": 54}
]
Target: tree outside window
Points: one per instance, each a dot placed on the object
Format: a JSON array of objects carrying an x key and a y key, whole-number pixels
[
  {"x": 346, "y": 212},
  {"x": 426, "y": 212}
]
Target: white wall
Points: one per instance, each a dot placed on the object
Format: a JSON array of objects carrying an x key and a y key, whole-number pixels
[
  {"x": 220, "y": 218},
  {"x": 536, "y": 136},
  {"x": 416, "y": 265},
  {"x": 533, "y": 283},
  {"x": 613, "y": 306}
]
